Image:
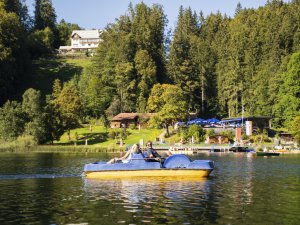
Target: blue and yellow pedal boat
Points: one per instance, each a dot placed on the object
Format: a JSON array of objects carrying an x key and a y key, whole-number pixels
[{"x": 138, "y": 166}]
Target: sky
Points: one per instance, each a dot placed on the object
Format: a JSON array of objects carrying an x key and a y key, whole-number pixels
[{"x": 96, "y": 14}]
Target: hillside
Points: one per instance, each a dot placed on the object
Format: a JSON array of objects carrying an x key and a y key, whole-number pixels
[
  {"x": 101, "y": 138},
  {"x": 43, "y": 72}
]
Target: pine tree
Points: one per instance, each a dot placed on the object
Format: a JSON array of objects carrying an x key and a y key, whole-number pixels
[
  {"x": 44, "y": 15},
  {"x": 20, "y": 9},
  {"x": 181, "y": 68}
]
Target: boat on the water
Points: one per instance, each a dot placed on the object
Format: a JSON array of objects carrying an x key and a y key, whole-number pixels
[
  {"x": 185, "y": 151},
  {"x": 267, "y": 153},
  {"x": 241, "y": 149},
  {"x": 174, "y": 166}
]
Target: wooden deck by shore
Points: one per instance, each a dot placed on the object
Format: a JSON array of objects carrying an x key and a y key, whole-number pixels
[
  {"x": 195, "y": 148},
  {"x": 185, "y": 149}
]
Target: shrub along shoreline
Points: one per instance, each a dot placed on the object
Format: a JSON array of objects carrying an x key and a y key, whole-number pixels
[{"x": 62, "y": 149}]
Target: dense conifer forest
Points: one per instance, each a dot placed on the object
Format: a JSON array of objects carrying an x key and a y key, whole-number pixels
[{"x": 213, "y": 65}]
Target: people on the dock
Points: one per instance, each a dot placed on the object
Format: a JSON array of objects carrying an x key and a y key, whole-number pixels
[{"x": 135, "y": 149}]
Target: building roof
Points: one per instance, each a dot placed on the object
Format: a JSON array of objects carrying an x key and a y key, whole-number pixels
[
  {"x": 132, "y": 116},
  {"x": 87, "y": 33},
  {"x": 125, "y": 116}
]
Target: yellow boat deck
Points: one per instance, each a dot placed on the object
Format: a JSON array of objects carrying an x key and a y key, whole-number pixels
[{"x": 149, "y": 173}]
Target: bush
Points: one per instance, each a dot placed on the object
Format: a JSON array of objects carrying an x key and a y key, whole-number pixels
[
  {"x": 210, "y": 132},
  {"x": 183, "y": 133},
  {"x": 197, "y": 132},
  {"x": 25, "y": 141},
  {"x": 154, "y": 122},
  {"x": 40, "y": 43},
  {"x": 245, "y": 137},
  {"x": 230, "y": 134},
  {"x": 113, "y": 134},
  {"x": 132, "y": 126},
  {"x": 123, "y": 133},
  {"x": 268, "y": 140},
  {"x": 252, "y": 139}
]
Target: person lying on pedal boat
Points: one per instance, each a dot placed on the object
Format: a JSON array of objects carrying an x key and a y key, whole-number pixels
[{"x": 135, "y": 149}]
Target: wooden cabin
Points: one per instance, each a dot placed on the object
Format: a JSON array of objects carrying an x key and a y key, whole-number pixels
[{"x": 127, "y": 119}]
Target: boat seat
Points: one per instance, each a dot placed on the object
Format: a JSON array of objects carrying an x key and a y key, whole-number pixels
[
  {"x": 177, "y": 161},
  {"x": 139, "y": 156},
  {"x": 139, "y": 160}
]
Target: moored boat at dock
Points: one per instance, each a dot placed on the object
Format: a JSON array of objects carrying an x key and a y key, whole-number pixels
[
  {"x": 267, "y": 153},
  {"x": 241, "y": 149}
]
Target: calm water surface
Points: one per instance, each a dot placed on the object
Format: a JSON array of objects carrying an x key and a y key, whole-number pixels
[{"x": 46, "y": 188}]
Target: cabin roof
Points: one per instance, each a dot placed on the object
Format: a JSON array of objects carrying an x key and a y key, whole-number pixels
[
  {"x": 132, "y": 116},
  {"x": 87, "y": 33},
  {"x": 125, "y": 116}
]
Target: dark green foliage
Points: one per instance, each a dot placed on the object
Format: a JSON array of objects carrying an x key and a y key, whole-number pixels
[
  {"x": 288, "y": 102},
  {"x": 44, "y": 15},
  {"x": 20, "y": 9},
  {"x": 64, "y": 109},
  {"x": 12, "y": 121},
  {"x": 295, "y": 128},
  {"x": 64, "y": 31},
  {"x": 169, "y": 102},
  {"x": 193, "y": 131},
  {"x": 40, "y": 43},
  {"x": 146, "y": 71},
  {"x": 197, "y": 132},
  {"x": 129, "y": 61},
  {"x": 93, "y": 94},
  {"x": 27, "y": 119},
  {"x": 13, "y": 57},
  {"x": 35, "y": 116},
  {"x": 181, "y": 68}
]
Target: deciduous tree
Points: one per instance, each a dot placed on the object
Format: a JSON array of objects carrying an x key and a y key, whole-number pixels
[{"x": 169, "y": 102}]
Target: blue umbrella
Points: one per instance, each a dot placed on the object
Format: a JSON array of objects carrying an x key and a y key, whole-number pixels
[
  {"x": 213, "y": 120},
  {"x": 195, "y": 121}
]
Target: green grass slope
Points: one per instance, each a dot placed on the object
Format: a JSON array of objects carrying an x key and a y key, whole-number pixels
[
  {"x": 43, "y": 72},
  {"x": 98, "y": 136}
]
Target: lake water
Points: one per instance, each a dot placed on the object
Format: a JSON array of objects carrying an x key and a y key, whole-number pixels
[{"x": 46, "y": 188}]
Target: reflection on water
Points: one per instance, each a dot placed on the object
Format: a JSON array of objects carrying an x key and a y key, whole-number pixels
[
  {"x": 168, "y": 200},
  {"x": 46, "y": 188}
]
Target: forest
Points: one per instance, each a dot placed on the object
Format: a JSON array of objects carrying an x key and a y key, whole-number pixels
[{"x": 212, "y": 65}]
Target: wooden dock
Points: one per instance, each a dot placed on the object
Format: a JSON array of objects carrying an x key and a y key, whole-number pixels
[{"x": 194, "y": 149}]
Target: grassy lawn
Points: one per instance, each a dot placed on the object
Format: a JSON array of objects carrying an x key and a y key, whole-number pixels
[
  {"x": 99, "y": 137},
  {"x": 44, "y": 71}
]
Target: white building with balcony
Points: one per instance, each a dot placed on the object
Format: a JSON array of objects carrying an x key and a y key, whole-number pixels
[{"x": 83, "y": 40}]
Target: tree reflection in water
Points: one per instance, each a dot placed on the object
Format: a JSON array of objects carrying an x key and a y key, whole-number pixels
[{"x": 156, "y": 200}]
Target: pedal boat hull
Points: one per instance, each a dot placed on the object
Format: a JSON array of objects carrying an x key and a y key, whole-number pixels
[{"x": 174, "y": 166}]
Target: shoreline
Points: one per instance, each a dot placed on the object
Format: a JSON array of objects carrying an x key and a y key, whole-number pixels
[
  {"x": 62, "y": 149},
  {"x": 97, "y": 149}
]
